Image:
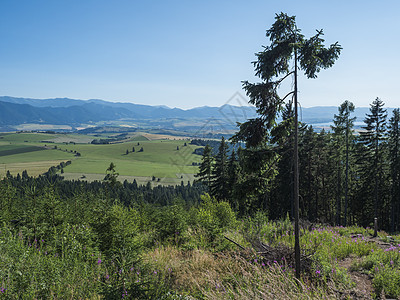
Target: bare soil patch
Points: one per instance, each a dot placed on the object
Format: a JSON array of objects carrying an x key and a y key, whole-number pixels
[{"x": 363, "y": 283}]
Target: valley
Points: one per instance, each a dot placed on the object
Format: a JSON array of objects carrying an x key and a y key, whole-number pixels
[{"x": 144, "y": 157}]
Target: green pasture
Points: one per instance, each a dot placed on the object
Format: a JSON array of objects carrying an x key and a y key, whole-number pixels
[
  {"x": 36, "y": 160},
  {"x": 33, "y": 168},
  {"x": 6, "y": 150},
  {"x": 34, "y": 156},
  {"x": 25, "y": 137},
  {"x": 160, "y": 158},
  {"x": 71, "y": 138},
  {"x": 139, "y": 138}
]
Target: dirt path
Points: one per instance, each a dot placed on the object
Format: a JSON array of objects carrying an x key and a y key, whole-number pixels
[
  {"x": 363, "y": 283},
  {"x": 363, "y": 288}
]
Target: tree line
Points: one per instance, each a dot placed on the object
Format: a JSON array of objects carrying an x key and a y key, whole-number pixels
[
  {"x": 126, "y": 193},
  {"x": 346, "y": 177}
]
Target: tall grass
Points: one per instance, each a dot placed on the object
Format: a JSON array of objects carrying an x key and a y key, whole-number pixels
[{"x": 230, "y": 276}]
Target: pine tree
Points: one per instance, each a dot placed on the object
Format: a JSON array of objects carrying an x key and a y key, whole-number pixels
[
  {"x": 111, "y": 175},
  {"x": 308, "y": 170},
  {"x": 233, "y": 178},
  {"x": 343, "y": 134},
  {"x": 205, "y": 168},
  {"x": 372, "y": 156},
  {"x": 394, "y": 160},
  {"x": 282, "y": 191},
  {"x": 288, "y": 52},
  {"x": 219, "y": 179}
]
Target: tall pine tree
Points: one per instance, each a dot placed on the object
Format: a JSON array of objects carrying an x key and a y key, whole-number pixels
[
  {"x": 343, "y": 135},
  {"x": 288, "y": 52},
  {"x": 372, "y": 140},
  {"x": 219, "y": 185},
  {"x": 205, "y": 169},
  {"x": 394, "y": 160}
]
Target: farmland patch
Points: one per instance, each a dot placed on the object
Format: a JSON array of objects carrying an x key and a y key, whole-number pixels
[{"x": 17, "y": 149}]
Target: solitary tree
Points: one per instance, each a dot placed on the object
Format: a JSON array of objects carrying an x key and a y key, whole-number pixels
[
  {"x": 111, "y": 175},
  {"x": 288, "y": 52}
]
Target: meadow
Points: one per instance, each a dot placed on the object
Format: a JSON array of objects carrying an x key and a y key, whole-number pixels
[{"x": 169, "y": 161}]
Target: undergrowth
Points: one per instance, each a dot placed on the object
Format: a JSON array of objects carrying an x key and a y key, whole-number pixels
[{"x": 93, "y": 247}]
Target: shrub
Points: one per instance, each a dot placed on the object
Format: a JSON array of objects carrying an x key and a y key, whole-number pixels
[{"x": 172, "y": 223}]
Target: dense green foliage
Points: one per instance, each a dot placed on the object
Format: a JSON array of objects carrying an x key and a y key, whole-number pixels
[
  {"x": 69, "y": 239},
  {"x": 346, "y": 177}
]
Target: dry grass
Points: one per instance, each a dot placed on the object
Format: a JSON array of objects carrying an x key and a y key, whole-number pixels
[
  {"x": 141, "y": 180},
  {"x": 34, "y": 168},
  {"x": 229, "y": 276},
  {"x": 155, "y": 136}
]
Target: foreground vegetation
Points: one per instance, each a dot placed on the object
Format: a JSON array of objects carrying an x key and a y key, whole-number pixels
[{"x": 70, "y": 240}]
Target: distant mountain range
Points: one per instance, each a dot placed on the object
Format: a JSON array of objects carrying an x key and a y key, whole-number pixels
[
  {"x": 15, "y": 111},
  {"x": 77, "y": 113}
]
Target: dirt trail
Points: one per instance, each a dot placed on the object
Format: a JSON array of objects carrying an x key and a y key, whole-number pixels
[{"x": 363, "y": 288}]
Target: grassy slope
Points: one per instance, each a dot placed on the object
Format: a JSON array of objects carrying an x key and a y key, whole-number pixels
[
  {"x": 25, "y": 158},
  {"x": 160, "y": 158}
]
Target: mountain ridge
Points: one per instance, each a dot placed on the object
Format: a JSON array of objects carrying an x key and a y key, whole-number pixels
[{"x": 75, "y": 112}]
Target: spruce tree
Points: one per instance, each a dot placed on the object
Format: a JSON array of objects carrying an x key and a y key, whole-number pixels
[
  {"x": 343, "y": 135},
  {"x": 372, "y": 140},
  {"x": 205, "y": 168},
  {"x": 394, "y": 160},
  {"x": 282, "y": 191},
  {"x": 288, "y": 52},
  {"x": 308, "y": 170},
  {"x": 233, "y": 178},
  {"x": 219, "y": 183}
]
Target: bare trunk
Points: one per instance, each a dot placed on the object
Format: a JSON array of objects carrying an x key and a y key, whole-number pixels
[{"x": 296, "y": 174}]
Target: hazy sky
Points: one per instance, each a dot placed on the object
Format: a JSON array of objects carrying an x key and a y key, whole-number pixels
[{"x": 189, "y": 53}]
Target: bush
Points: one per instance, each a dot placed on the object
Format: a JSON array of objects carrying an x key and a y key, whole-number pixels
[
  {"x": 214, "y": 218},
  {"x": 172, "y": 223}
]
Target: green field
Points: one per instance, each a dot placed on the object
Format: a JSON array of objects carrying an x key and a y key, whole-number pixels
[{"x": 159, "y": 158}]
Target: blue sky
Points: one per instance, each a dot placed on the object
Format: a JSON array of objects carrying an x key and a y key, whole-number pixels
[{"x": 188, "y": 53}]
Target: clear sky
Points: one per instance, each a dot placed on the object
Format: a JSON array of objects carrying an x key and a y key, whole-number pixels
[{"x": 189, "y": 53}]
